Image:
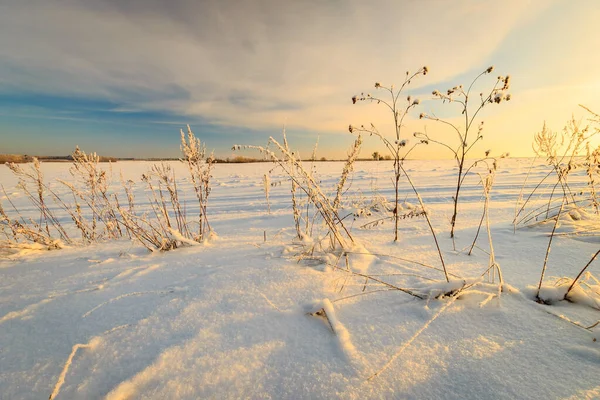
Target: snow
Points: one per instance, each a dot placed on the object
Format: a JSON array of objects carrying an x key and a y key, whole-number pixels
[{"x": 231, "y": 317}]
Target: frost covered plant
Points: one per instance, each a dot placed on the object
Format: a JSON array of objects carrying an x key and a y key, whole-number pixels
[
  {"x": 487, "y": 182},
  {"x": 303, "y": 180},
  {"x": 296, "y": 210},
  {"x": 397, "y": 146},
  {"x": 592, "y": 171},
  {"x": 153, "y": 233},
  {"x": 45, "y": 230},
  {"x": 167, "y": 183},
  {"x": 564, "y": 152},
  {"x": 91, "y": 187},
  {"x": 592, "y": 164},
  {"x": 561, "y": 153},
  {"x": 97, "y": 211},
  {"x": 167, "y": 226},
  {"x": 170, "y": 228},
  {"x": 469, "y": 132},
  {"x": 200, "y": 167},
  {"x": 21, "y": 234},
  {"x": 267, "y": 187},
  {"x": 348, "y": 168}
]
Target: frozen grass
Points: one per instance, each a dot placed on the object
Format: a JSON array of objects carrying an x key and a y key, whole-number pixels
[
  {"x": 97, "y": 211},
  {"x": 321, "y": 209}
]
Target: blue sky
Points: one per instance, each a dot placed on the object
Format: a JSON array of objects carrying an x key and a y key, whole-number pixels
[{"x": 121, "y": 77}]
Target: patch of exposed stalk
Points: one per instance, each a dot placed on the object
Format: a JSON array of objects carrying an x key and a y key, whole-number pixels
[{"x": 556, "y": 223}]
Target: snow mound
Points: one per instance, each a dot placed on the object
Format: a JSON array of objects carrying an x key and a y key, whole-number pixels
[{"x": 586, "y": 292}]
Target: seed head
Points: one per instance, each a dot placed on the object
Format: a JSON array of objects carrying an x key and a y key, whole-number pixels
[{"x": 506, "y": 82}]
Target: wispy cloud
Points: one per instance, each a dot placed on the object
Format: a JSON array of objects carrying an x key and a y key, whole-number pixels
[
  {"x": 253, "y": 64},
  {"x": 270, "y": 52}
]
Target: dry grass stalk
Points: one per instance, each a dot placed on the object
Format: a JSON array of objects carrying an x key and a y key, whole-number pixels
[
  {"x": 466, "y": 141},
  {"x": 414, "y": 213},
  {"x": 592, "y": 171},
  {"x": 267, "y": 187},
  {"x": 407, "y": 344},
  {"x": 488, "y": 182},
  {"x": 556, "y": 223},
  {"x": 397, "y": 146},
  {"x": 348, "y": 168},
  {"x": 580, "y": 274},
  {"x": 348, "y": 271},
  {"x": 142, "y": 230},
  {"x": 296, "y": 209},
  {"x": 437, "y": 245},
  {"x": 323, "y": 314},
  {"x": 160, "y": 229}
]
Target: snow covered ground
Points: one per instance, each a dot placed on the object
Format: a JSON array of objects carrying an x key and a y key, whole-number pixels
[{"x": 231, "y": 318}]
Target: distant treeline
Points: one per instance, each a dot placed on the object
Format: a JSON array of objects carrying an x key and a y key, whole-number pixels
[
  {"x": 24, "y": 158},
  {"x": 14, "y": 158}
]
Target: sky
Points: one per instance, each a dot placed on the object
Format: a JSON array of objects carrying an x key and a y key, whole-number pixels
[{"x": 122, "y": 77}]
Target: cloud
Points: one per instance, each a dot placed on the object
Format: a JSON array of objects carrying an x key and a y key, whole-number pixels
[{"x": 256, "y": 64}]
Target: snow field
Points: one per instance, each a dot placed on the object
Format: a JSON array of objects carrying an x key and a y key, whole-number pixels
[{"x": 231, "y": 318}]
